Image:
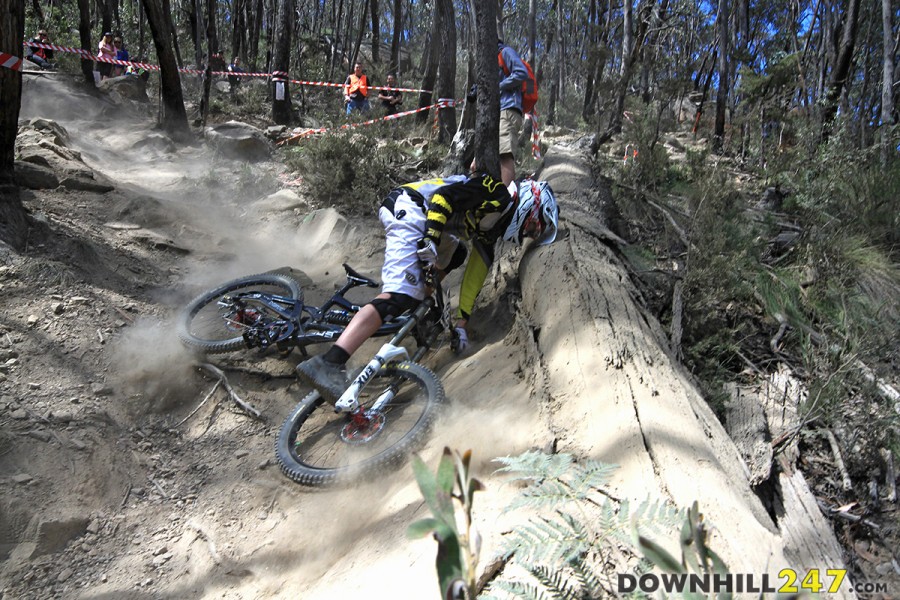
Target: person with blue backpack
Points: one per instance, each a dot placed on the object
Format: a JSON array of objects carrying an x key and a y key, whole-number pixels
[{"x": 424, "y": 224}]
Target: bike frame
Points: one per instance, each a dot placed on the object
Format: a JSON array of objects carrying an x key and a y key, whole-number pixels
[{"x": 323, "y": 323}]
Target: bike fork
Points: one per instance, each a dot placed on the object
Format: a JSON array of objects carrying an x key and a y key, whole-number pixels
[{"x": 349, "y": 400}]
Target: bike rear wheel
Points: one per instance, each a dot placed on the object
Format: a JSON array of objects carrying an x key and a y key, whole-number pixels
[
  {"x": 318, "y": 447},
  {"x": 206, "y": 326}
]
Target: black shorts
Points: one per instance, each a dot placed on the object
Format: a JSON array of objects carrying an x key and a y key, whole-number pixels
[{"x": 104, "y": 68}]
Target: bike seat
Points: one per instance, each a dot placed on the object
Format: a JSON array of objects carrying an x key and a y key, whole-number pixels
[{"x": 360, "y": 278}]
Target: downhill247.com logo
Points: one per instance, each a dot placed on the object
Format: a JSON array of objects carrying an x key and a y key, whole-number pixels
[{"x": 789, "y": 581}]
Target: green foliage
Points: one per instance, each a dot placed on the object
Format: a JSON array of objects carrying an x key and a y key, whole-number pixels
[
  {"x": 350, "y": 170},
  {"x": 779, "y": 78},
  {"x": 564, "y": 548},
  {"x": 719, "y": 267},
  {"x": 457, "y": 555},
  {"x": 650, "y": 167}
]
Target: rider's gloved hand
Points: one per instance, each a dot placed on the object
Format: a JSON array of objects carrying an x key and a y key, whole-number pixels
[
  {"x": 427, "y": 252},
  {"x": 459, "y": 340}
]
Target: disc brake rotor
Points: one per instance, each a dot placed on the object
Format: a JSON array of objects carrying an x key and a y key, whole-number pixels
[{"x": 363, "y": 427}]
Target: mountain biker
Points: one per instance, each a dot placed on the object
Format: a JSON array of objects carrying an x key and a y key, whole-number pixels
[{"x": 423, "y": 223}]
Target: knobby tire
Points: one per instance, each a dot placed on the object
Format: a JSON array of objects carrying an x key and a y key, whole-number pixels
[
  {"x": 309, "y": 446},
  {"x": 201, "y": 325}
]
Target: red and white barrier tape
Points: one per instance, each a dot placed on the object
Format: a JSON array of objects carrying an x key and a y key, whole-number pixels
[
  {"x": 535, "y": 141},
  {"x": 440, "y": 104},
  {"x": 10, "y": 62},
  {"x": 87, "y": 55}
]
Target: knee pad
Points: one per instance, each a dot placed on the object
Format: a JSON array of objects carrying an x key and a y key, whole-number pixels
[
  {"x": 391, "y": 308},
  {"x": 458, "y": 258}
]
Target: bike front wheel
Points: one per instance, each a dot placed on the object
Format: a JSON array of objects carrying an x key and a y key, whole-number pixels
[
  {"x": 207, "y": 325},
  {"x": 318, "y": 447}
]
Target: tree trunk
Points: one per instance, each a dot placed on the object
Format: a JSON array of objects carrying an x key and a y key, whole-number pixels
[
  {"x": 38, "y": 13},
  {"x": 141, "y": 30},
  {"x": 173, "y": 35},
  {"x": 281, "y": 60},
  {"x": 532, "y": 31},
  {"x": 354, "y": 57},
  {"x": 198, "y": 32},
  {"x": 666, "y": 441},
  {"x": 212, "y": 44},
  {"x": 722, "y": 95},
  {"x": 487, "y": 116},
  {"x": 395, "y": 40},
  {"x": 887, "y": 83},
  {"x": 106, "y": 20},
  {"x": 376, "y": 31},
  {"x": 84, "y": 35},
  {"x": 238, "y": 28},
  {"x": 446, "y": 84},
  {"x": 841, "y": 67},
  {"x": 255, "y": 27},
  {"x": 628, "y": 61},
  {"x": 13, "y": 225},
  {"x": 173, "y": 117},
  {"x": 431, "y": 67},
  {"x": 462, "y": 149}
]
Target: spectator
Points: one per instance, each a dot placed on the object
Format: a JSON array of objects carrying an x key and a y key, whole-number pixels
[
  {"x": 234, "y": 80},
  {"x": 40, "y": 56},
  {"x": 106, "y": 49},
  {"x": 121, "y": 54},
  {"x": 511, "y": 116},
  {"x": 391, "y": 99},
  {"x": 356, "y": 90}
]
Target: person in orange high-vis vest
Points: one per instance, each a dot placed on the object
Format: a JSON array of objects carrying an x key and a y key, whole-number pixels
[{"x": 356, "y": 91}]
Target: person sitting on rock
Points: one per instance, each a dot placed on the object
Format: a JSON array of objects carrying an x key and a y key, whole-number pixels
[{"x": 39, "y": 56}]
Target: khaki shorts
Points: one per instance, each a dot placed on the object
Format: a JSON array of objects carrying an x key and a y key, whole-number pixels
[{"x": 510, "y": 127}]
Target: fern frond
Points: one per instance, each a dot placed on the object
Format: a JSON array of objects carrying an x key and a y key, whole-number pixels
[
  {"x": 546, "y": 493},
  {"x": 548, "y": 541},
  {"x": 591, "y": 585},
  {"x": 535, "y": 465},
  {"x": 589, "y": 476},
  {"x": 557, "y": 582},
  {"x": 521, "y": 590}
]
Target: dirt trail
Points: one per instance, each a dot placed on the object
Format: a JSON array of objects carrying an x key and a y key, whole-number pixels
[{"x": 112, "y": 489}]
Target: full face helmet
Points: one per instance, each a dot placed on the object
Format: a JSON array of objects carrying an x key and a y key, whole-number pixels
[{"x": 536, "y": 214}]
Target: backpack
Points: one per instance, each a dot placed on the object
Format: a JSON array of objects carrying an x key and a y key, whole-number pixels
[{"x": 529, "y": 86}]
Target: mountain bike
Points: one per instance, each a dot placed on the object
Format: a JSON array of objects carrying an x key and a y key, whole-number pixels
[{"x": 388, "y": 408}]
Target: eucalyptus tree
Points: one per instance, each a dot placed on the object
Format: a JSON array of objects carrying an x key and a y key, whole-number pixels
[
  {"x": 722, "y": 18},
  {"x": 843, "y": 61},
  {"x": 281, "y": 61},
  {"x": 446, "y": 84},
  {"x": 84, "y": 34},
  {"x": 887, "y": 82},
  {"x": 13, "y": 226},
  {"x": 487, "y": 115},
  {"x": 395, "y": 37},
  {"x": 172, "y": 115}
]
